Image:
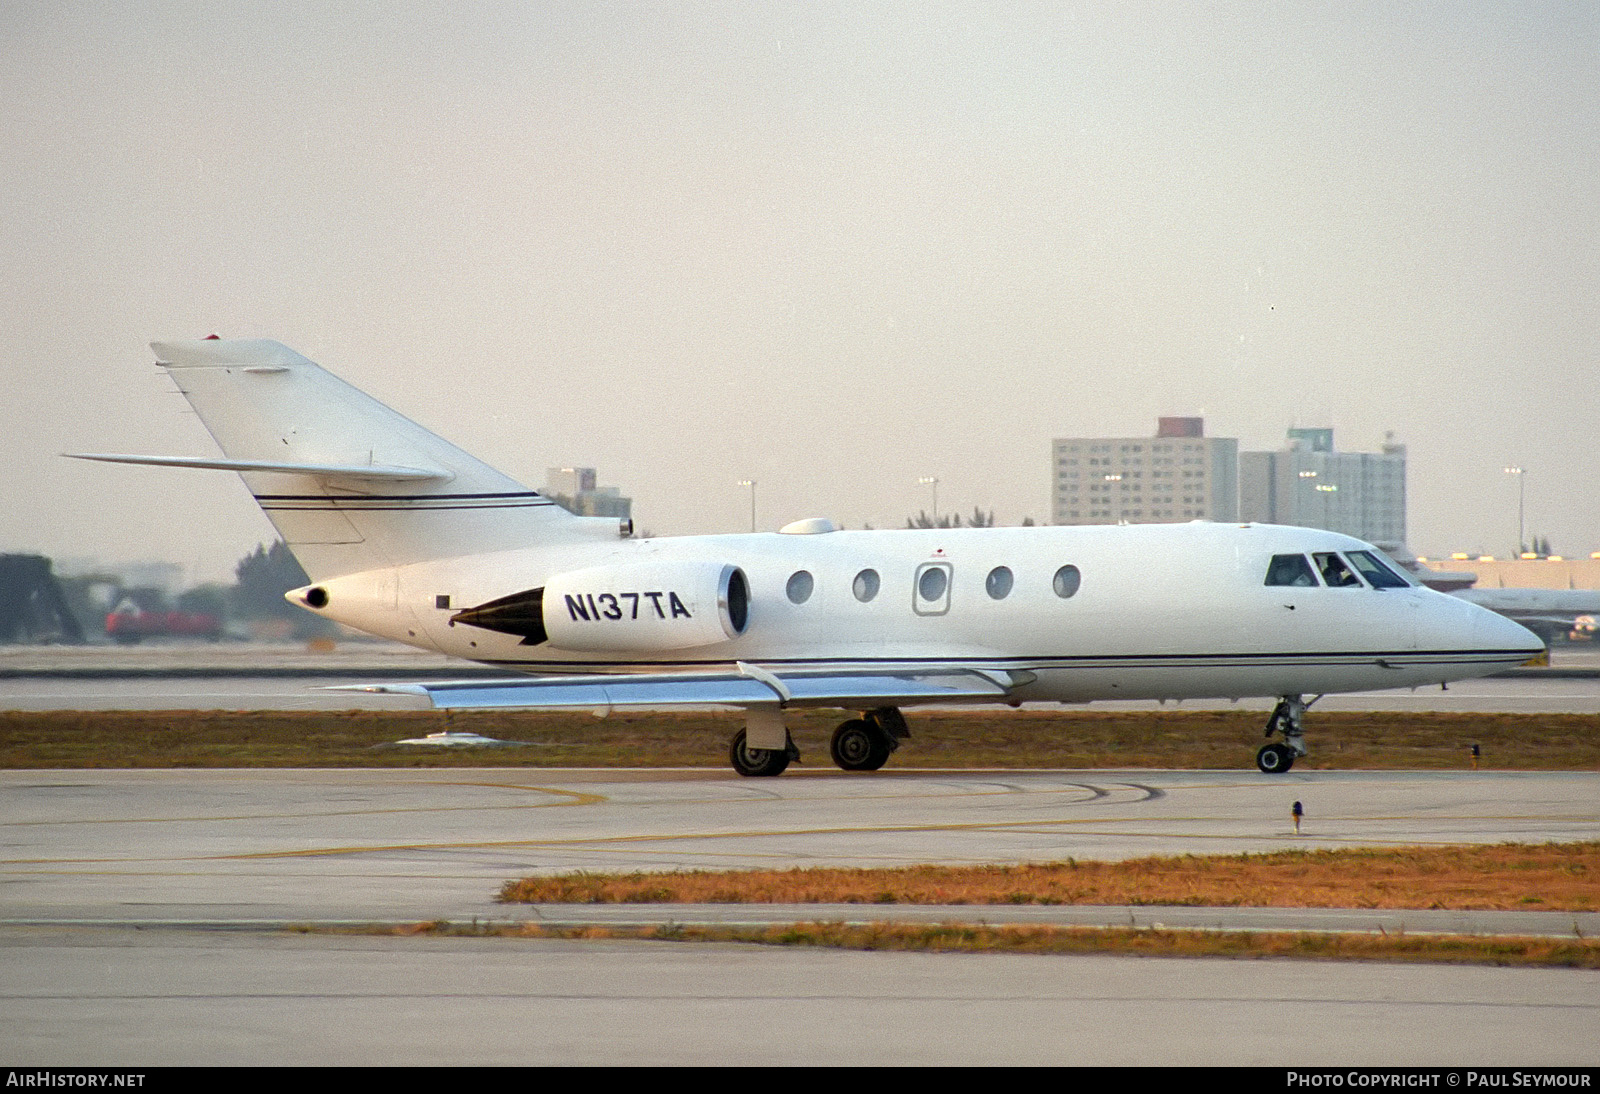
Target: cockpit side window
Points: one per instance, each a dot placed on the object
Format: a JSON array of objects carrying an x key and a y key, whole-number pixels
[
  {"x": 1290, "y": 570},
  {"x": 1378, "y": 575},
  {"x": 1336, "y": 573}
]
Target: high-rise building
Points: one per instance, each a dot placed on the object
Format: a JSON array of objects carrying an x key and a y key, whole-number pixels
[
  {"x": 1311, "y": 484},
  {"x": 1179, "y": 474}
]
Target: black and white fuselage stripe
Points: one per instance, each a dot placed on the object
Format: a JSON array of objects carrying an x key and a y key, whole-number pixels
[
  {"x": 1395, "y": 660},
  {"x": 375, "y": 503}
]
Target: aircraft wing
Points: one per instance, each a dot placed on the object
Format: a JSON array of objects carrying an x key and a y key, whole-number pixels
[{"x": 744, "y": 686}]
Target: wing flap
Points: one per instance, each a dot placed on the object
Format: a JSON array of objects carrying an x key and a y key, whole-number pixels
[{"x": 821, "y": 688}]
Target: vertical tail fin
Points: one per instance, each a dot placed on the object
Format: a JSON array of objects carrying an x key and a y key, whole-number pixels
[{"x": 350, "y": 484}]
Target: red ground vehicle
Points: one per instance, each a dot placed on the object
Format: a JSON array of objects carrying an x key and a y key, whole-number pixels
[{"x": 130, "y": 625}]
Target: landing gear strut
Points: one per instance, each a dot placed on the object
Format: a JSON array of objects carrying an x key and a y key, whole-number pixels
[
  {"x": 864, "y": 744},
  {"x": 1278, "y": 758}
]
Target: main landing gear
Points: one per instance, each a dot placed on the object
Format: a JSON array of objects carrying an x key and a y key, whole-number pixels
[
  {"x": 1278, "y": 758},
  {"x": 864, "y": 744},
  {"x": 861, "y": 744},
  {"x": 760, "y": 762}
]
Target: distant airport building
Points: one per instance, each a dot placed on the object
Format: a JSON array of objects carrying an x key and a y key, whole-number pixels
[
  {"x": 1552, "y": 572},
  {"x": 1180, "y": 474},
  {"x": 1311, "y": 484},
  {"x": 32, "y": 607},
  {"x": 574, "y": 489}
]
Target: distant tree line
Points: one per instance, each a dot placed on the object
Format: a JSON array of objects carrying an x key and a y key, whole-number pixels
[
  {"x": 256, "y": 595},
  {"x": 978, "y": 519}
]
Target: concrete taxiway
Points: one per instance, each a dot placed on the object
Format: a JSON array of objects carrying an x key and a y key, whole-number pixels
[
  {"x": 132, "y": 998},
  {"x": 146, "y": 917},
  {"x": 143, "y": 920},
  {"x": 408, "y": 845},
  {"x": 143, "y": 916}
]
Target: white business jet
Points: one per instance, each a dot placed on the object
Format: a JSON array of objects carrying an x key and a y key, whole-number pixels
[{"x": 406, "y": 536}]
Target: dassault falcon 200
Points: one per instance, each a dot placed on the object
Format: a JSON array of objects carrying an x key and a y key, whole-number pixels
[{"x": 406, "y": 536}]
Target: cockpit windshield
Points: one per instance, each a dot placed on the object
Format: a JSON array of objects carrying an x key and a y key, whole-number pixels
[
  {"x": 1378, "y": 575},
  {"x": 1336, "y": 573},
  {"x": 1290, "y": 570}
]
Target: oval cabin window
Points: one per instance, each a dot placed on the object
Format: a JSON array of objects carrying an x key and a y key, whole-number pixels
[
  {"x": 1066, "y": 581},
  {"x": 999, "y": 583},
  {"x": 800, "y": 586}
]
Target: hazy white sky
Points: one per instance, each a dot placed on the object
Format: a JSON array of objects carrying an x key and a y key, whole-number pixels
[{"x": 831, "y": 247}]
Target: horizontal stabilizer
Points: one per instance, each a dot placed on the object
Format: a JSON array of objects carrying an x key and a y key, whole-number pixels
[
  {"x": 369, "y": 472},
  {"x": 726, "y": 688}
]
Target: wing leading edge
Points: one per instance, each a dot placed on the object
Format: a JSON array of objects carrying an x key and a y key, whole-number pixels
[{"x": 746, "y": 686}]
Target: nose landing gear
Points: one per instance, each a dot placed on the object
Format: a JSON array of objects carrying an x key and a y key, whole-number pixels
[{"x": 1278, "y": 758}]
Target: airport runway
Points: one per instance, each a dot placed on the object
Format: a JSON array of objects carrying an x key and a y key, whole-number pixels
[{"x": 141, "y": 914}]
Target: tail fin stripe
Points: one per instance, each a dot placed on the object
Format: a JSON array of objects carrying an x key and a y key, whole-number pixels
[
  {"x": 529, "y": 494},
  {"x": 344, "y": 505}
]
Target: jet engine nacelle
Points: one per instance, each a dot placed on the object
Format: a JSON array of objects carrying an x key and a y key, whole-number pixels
[{"x": 647, "y": 606}]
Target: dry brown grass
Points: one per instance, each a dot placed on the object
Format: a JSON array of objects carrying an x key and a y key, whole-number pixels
[
  {"x": 1549, "y": 877},
  {"x": 957, "y": 938},
  {"x": 940, "y": 739}
]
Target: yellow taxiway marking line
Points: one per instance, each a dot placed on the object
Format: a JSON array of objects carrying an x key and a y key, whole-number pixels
[
  {"x": 596, "y": 846},
  {"x": 589, "y": 798},
  {"x": 1105, "y": 826},
  {"x": 573, "y": 797},
  {"x": 1085, "y": 790},
  {"x": 1018, "y": 827}
]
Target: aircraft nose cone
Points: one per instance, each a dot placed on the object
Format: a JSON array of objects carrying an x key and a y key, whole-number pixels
[{"x": 1495, "y": 632}]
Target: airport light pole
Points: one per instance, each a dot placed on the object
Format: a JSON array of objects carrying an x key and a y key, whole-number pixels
[
  {"x": 1521, "y": 537},
  {"x": 929, "y": 480},
  {"x": 751, "y": 483},
  {"x": 1310, "y": 479},
  {"x": 1326, "y": 490}
]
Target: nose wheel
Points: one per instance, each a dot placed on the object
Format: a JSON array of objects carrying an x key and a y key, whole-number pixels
[
  {"x": 1279, "y": 757},
  {"x": 1275, "y": 759}
]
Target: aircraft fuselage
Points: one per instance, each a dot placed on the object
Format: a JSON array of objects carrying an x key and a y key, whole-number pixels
[{"x": 1149, "y": 611}]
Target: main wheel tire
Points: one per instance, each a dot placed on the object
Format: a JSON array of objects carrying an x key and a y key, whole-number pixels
[
  {"x": 858, "y": 745},
  {"x": 1275, "y": 759},
  {"x": 757, "y": 762}
]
